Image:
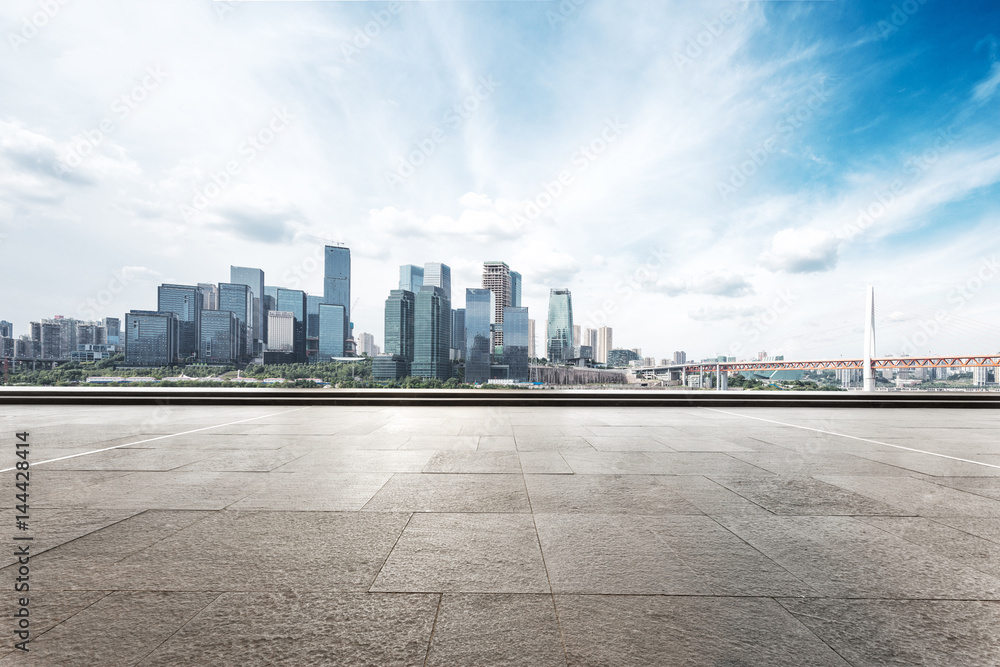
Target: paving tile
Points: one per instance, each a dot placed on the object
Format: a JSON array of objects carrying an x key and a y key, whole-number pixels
[
  {"x": 307, "y": 628},
  {"x": 474, "y": 462},
  {"x": 626, "y": 631},
  {"x": 846, "y": 557},
  {"x": 355, "y": 461},
  {"x": 51, "y": 527},
  {"x": 497, "y": 443},
  {"x": 551, "y": 443},
  {"x": 118, "y": 630},
  {"x": 801, "y": 464},
  {"x": 496, "y": 631},
  {"x": 626, "y": 444},
  {"x": 952, "y": 543},
  {"x": 702, "y": 463},
  {"x": 609, "y": 463},
  {"x": 46, "y": 610},
  {"x": 465, "y": 553},
  {"x": 932, "y": 465},
  {"x": 550, "y": 463},
  {"x": 303, "y": 491},
  {"x": 130, "y": 459},
  {"x": 904, "y": 632},
  {"x": 711, "y": 497},
  {"x": 918, "y": 497},
  {"x": 172, "y": 490},
  {"x": 804, "y": 496},
  {"x": 605, "y": 494},
  {"x": 451, "y": 493}
]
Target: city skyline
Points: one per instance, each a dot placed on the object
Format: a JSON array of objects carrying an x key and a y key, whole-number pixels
[{"x": 741, "y": 170}]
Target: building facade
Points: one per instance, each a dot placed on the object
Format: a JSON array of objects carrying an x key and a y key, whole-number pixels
[
  {"x": 254, "y": 279},
  {"x": 237, "y": 299},
  {"x": 332, "y": 319},
  {"x": 515, "y": 347},
  {"x": 220, "y": 337},
  {"x": 152, "y": 338},
  {"x": 478, "y": 341},
  {"x": 496, "y": 278},
  {"x": 411, "y": 278},
  {"x": 186, "y": 302},
  {"x": 281, "y": 331},
  {"x": 604, "y": 344},
  {"x": 432, "y": 333},
  {"x": 559, "y": 343}
]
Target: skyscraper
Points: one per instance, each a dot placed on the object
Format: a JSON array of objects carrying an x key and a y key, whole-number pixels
[
  {"x": 237, "y": 298},
  {"x": 515, "y": 289},
  {"x": 211, "y": 296},
  {"x": 577, "y": 335},
  {"x": 478, "y": 342},
  {"x": 515, "y": 346},
  {"x": 399, "y": 323},
  {"x": 186, "y": 302},
  {"x": 294, "y": 301},
  {"x": 313, "y": 302},
  {"x": 531, "y": 340},
  {"x": 559, "y": 346},
  {"x": 366, "y": 344},
  {"x": 439, "y": 275},
  {"x": 604, "y": 344},
  {"x": 590, "y": 339},
  {"x": 680, "y": 357},
  {"x": 113, "y": 325},
  {"x": 332, "y": 318},
  {"x": 496, "y": 278},
  {"x": 432, "y": 332},
  {"x": 220, "y": 337},
  {"x": 458, "y": 331},
  {"x": 152, "y": 338},
  {"x": 254, "y": 279},
  {"x": 280, "y": 332},
  {"x": 411, "y": 278},
  {"x": 6, "y": 329},
  {"x": 336, "y": 292}
]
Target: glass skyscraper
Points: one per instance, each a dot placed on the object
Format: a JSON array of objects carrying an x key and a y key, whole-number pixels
[
  {"x": 411, "y": 278},
  {"x": 515, "y": 289},
  {"x": 478, "y": 341},
  {"x": 237, "y": 298},
  {"x": 294, "y": 301},
  {"x": 432, "y": 333},
  {"x": 220, "y": 339},
  {"x": 254, "y": 279},
  {"x": 399, "y": 323},
  {"x": 515, "y": 343},
  {"x": 439, "y": 275},
  {"x": 458, "y": 331},
  {"x": 186, "y": 302},
  {"x": 331, "y": 318},
  {"x": 151, "y": 338},
  {"x": 559, "y": 343}
]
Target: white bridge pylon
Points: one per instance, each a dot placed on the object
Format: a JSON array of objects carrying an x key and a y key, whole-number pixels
[{"x": 868, "y": 369}]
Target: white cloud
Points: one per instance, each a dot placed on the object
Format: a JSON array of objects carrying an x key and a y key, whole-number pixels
[{"x": 802, "y": 251}]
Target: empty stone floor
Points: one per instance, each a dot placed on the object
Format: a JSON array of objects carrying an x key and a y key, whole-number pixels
[{"x": 502, "y": 536}]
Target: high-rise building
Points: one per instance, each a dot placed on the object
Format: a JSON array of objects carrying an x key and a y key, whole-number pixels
[
  {"x": 254, "y": 279},
  {"x": 113, "y": 327},
  {"x": 211, "y": 296},
  {"x": 680, "y": 358},
  {"x": 458, "y": 331},
  {"x": 432, "y": 332},
  {"x": 8, "y": 347},
  {"x": 220, "y": 337},
  {"x": 294, "y": 301},
  {"x": 6, "y": 329},
  {"x": 515, "y": 289},
  {"x": 531, "y": 340},
  {"x": 152, "y": 338},
  {"x": 437, "y": 274},
  {"x": 280, "y": 331},
  {"x": 411, "y": 278},
  {"x": 237, "y": 298},
  {"x": 604, "y": 344},
  {"x": 559, "y": 346},
  {"x": 399, "y": 323},
  {"x": 590, "y": 338},
  {"x": 478, "y": 342},
  {"x": 515, "y": 346},
  {"x": 337, "y": 283},
  {"x": 577, "y": 335},
  {"x": 496, "y": 278},
  {"x": 186, "y": 302},
  {"x": 366, "y": 344},
  {"x": 332, "y": 318},
  {"x": 51, "y": 340},
  {"x": 313, "y": 302}
]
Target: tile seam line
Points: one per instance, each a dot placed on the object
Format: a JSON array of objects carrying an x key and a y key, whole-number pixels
[
  {"x": 852, "y": 437},
  {"x": 161, "y": 437}
]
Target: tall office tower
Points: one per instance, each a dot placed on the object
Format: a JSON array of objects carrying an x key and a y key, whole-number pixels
[
  {"x": 432, "y": 333},
  {"x": 577, "y": 335},
  {"x": 590, "y": 339},
  {"x": 254, "y": 279},
  {"x": 458, "y": 331},
  {"x": 238, "y": 299},
  {"x": 280, "y": 331},
  {"x": 186, "y": 302},
  {"x": 366, "y": 344},
  {"x": 439, "y": 275},
  {"x": 496, "y": 278},
  {"x": 398, "y": 337},
  {"x": 211, "y": 296},
  {"x": 478, "y": 342},
  {"x": 680, "y": 358},
  {"x": 515, "y": 347},
  {"x": 515, "y": 289},
  {"x": 113, "y": 326},
  {"x": 220, "y": 337},
  {"x": 36, "y": 340},
  {"x": 268, "y": 303},
  {"x": 6, "y": 329},
  {"x": 559, "y": 346},
  {"x": 152, "y": 338},
  {"x": 337, "y": 281},
  {"x": 411, "y": 278},
  {"x": 313, "y": 302},
  {"x": 604, "y": 344},
  {"x": 531, "y": 339},
  {"x": 294, "y": 301},
  {"x": 332, "y": 318}
]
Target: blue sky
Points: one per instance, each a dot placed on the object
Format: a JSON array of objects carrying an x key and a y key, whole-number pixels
[{"x": 732, "y": 173}]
